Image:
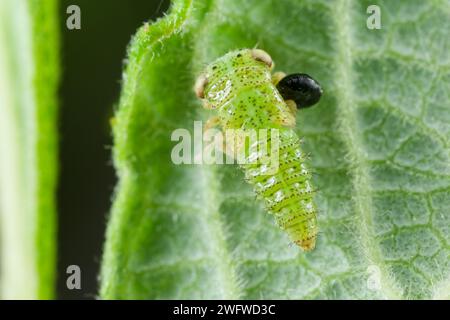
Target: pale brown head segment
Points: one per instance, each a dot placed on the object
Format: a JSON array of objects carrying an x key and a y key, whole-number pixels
[
  {"x": 261, "y": 55},
  {"x": 200, "y": 85}
]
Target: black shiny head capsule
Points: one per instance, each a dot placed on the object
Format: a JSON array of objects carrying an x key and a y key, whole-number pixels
[{"x": 301, "y": 88}]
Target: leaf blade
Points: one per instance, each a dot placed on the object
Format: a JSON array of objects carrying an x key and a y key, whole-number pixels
[{"x": 376, "y": 181}]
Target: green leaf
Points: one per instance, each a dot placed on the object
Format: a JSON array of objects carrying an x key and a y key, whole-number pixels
[
  {"x": 379, "y": 144},
  {"x": 28, "y": 147}
]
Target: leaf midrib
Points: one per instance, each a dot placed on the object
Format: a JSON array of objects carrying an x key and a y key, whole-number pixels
[
  {"x": 348, "y": 128},
  {"x": 212, "y": 191}
]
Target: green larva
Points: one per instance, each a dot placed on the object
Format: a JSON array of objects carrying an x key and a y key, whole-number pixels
[{"x": 246, "y": 96}]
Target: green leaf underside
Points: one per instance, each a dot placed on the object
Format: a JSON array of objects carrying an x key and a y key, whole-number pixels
[
  {"x": 28, "y": 147},
  {"x": 379, "y": 144}
]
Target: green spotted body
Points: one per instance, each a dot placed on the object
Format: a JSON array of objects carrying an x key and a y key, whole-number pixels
[{"x": 240, "y": 88}]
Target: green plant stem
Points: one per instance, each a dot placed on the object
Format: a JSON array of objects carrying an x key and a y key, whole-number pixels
[{"x": 29, "y": 68}]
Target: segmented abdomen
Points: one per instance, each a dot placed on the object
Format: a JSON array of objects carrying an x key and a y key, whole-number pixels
[{"x": 288, "y": 192}]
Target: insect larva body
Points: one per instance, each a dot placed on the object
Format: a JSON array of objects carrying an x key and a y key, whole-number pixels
[
  {"x": 241, "y": 88},
  {"x": 288, "y": 193}
]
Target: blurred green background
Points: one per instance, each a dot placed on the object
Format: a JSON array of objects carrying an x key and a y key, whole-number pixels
[{"x": 92, "y": 61}]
